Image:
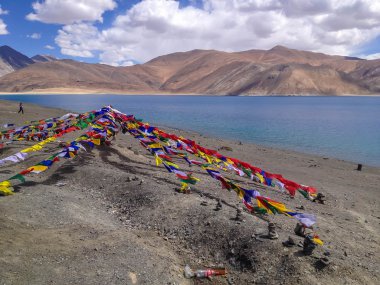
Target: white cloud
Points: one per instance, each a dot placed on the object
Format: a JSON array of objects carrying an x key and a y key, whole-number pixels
[
  {"x": 3, "y": 26},
  {"x": 49, "y": 47},
  {"x": 78, "y": 40},
  {"x": 70, "y": 11},
  {"x": 3, "y": 12},
  {"x": 35, "y": 36},
  {"x": 127, "y": 63},
  {"x": 155, "y": 27},
  {"x": 371, "y": 56}
]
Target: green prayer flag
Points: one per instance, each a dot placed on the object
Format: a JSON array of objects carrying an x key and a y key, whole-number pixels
[{"x": 18, "y": 176}]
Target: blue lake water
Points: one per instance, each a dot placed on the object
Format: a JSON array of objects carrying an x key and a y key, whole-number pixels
[{"x": 343, "y": 127}]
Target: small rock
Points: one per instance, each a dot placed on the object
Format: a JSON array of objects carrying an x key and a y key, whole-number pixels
[
  {"x": 239, "y": 215},
  {"x": 289, "y": 243},
  {"x": 272, "y": 234},
  {"x": 227, "y": 148},
  {"x": 218, "y": 205},
  {"x": 60, "y": 184}
]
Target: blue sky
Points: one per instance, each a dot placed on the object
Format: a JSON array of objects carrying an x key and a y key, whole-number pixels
[
  {"x": 124, "y": 32},
  {"x": 20, "y": 29}
]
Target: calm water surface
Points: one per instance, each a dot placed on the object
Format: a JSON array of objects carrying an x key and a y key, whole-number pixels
[{"x": 342, "y": 127}]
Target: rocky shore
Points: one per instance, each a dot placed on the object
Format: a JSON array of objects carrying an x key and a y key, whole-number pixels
[{"x": 111, "y": 216}]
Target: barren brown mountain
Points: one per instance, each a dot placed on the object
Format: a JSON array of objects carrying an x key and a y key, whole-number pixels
[{"x": 280, "y": 70}]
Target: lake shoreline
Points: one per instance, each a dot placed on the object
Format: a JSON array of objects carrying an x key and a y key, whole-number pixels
[{"x": 71, "y": 91}]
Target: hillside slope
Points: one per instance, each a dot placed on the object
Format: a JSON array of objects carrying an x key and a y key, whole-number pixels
[{"x": 278, "y": 71}]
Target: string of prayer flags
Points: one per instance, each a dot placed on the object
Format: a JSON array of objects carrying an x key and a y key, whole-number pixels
[
  {"x": 74, "y": 123},
  {"x": 149, "y": 139},
  {"x": 167, "y": 149},
  {"x": 69, "y": 151},
  {"x": 239, "y": 167},
  {"x": 149, "y": 142}
]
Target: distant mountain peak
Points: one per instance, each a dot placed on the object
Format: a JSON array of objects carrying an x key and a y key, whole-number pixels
[
  {"x": 5, "y": 47},
  {"x": 43, "y": 58},
  {"x": 11, "y": 59},
  {"x": 279, "y": 48}
]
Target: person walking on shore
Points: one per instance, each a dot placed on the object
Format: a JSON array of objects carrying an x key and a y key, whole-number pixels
[{"x": 21, "y": 108}]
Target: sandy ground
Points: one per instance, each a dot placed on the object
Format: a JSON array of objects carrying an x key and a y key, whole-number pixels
[
  {"x": 118, "y": 219},
  {"x": 81, "y": 91}
]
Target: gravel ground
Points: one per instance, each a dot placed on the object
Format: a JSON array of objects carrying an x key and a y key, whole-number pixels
[{"x": 111, "y": 216}]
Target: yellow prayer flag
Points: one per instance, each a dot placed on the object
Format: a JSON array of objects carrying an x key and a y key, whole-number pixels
[
  {"x": 261, "y": 178},
  {"x": 6, "y": 183},
  {"x": 131, "y": 126},
  {"x": 184, "y": 186},
  {"x": 171, "y": 164},
  {"x": 158, "y": 160},
  {"x": 36, "y": 147},
  {"x": 261, "y": 206},
  {"x": 38, "y": 168},
  {"x": 6, "y": 190},
  {"x": 96, "y": 141},
  {"x": 51, "y": 139},
  {"x": 209, "y": 159},
  {"x": 155, "y": 145},
  {"x": 241, "y": 194},
  {"x": 318, "y": 241},
  {"x": 279, "y": 206},
  {"x": 81, "y": 138}
]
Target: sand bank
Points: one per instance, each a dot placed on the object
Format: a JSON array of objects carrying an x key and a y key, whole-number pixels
[{"x": 82, "y": 91}]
